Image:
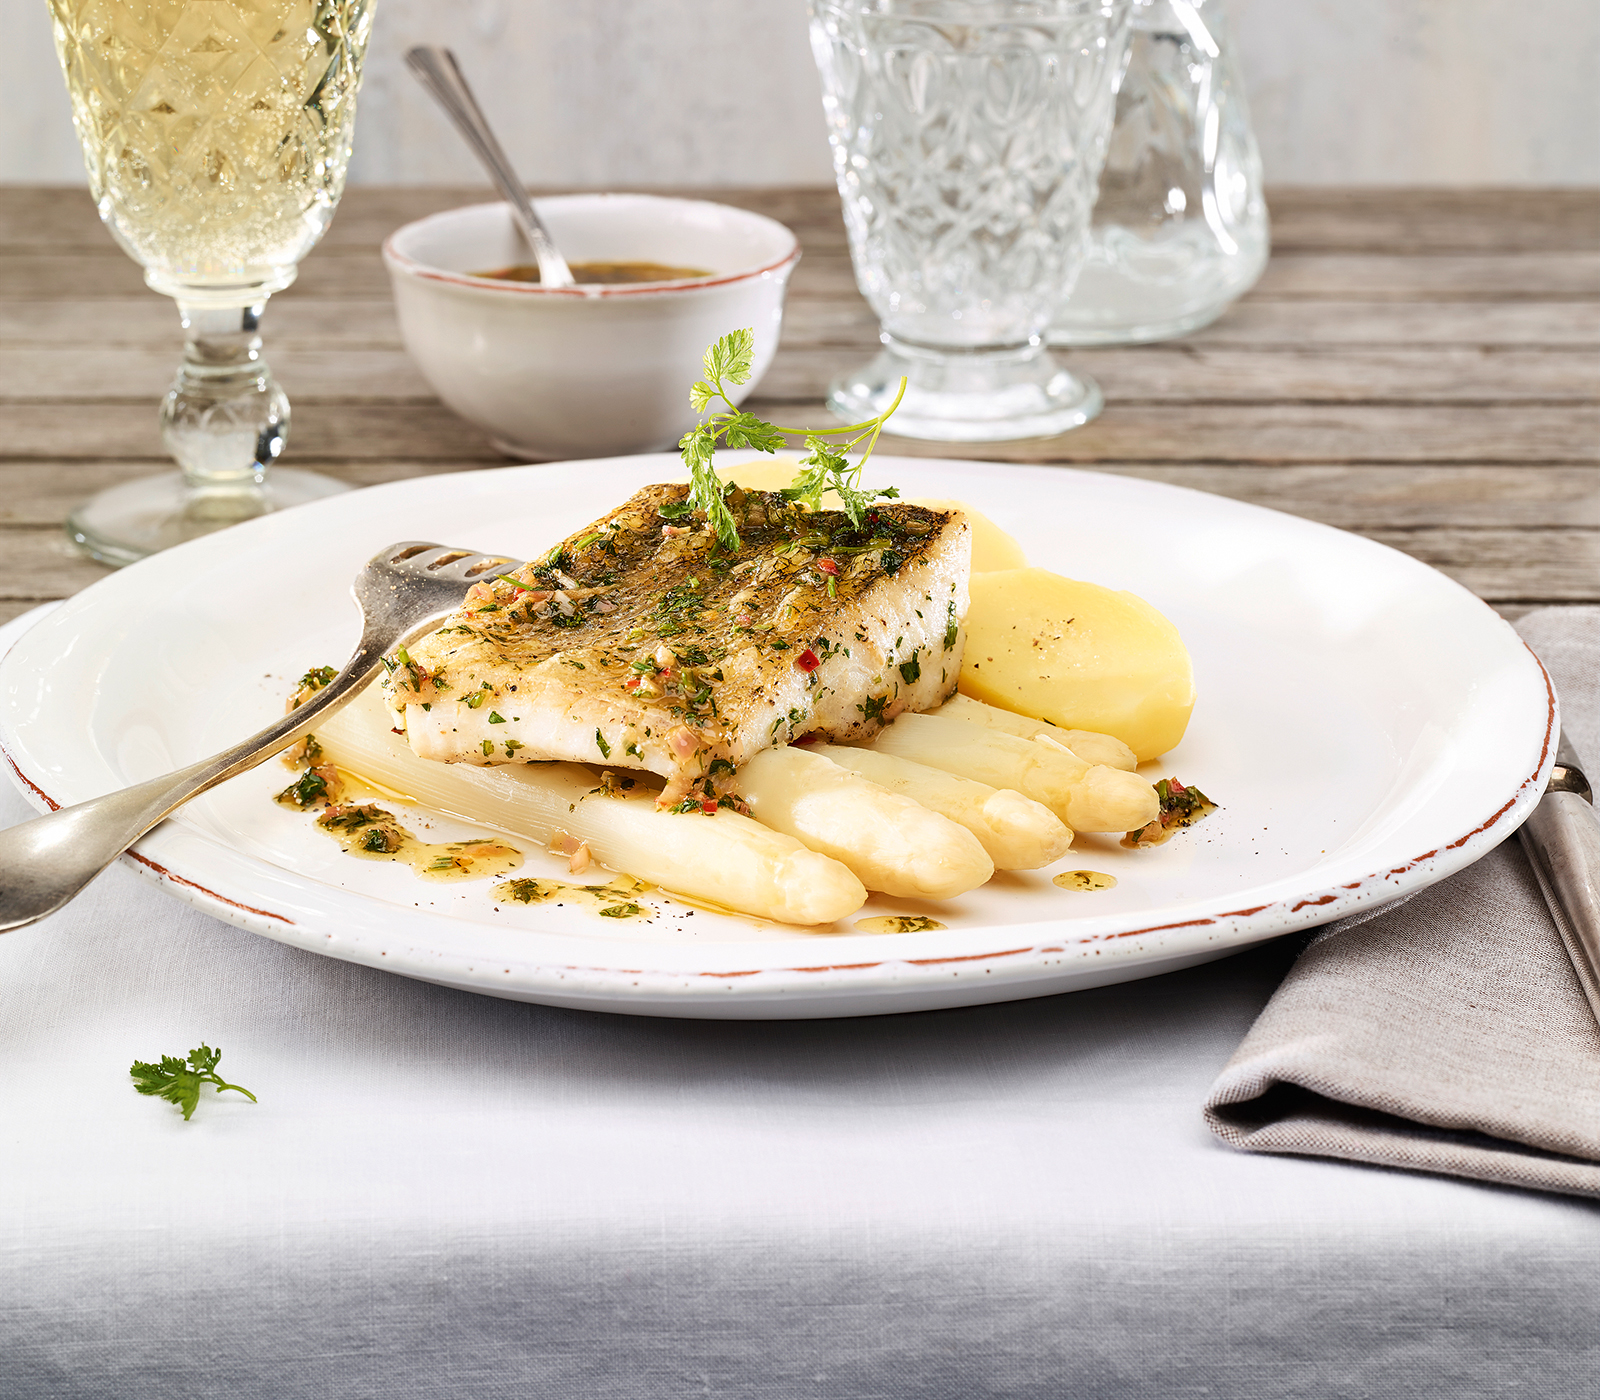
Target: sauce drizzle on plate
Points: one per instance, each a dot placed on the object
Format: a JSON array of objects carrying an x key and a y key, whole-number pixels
[
  {"x": 612, "y": 900},
  {"x": 900, "y": 923},
  {"x": 371, "y": 833},
  {"x": 1084, "y": 880}
]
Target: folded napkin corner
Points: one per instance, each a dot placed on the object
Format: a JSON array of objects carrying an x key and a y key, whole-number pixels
[{"x": 1443, "y": 1033}]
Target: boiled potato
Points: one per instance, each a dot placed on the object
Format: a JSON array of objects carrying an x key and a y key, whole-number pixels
[
  {"x": 1078, "y": 655},
  {"x": 992, "y": 548}
]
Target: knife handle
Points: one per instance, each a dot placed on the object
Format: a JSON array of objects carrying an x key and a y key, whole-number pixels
[{"x": 1562, "y": 837}]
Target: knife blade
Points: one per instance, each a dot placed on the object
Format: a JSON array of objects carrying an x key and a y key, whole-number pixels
[{"x": 1562, "y": 838}]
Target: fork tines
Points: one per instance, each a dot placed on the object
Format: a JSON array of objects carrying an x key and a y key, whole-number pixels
[{"x": 425, "y": 557}]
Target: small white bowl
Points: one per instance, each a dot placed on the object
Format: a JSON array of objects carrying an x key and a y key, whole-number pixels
[{"x": 591, "y": 371}]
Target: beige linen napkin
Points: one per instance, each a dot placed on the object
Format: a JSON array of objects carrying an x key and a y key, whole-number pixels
[{"x": 1445, "y": 1032}]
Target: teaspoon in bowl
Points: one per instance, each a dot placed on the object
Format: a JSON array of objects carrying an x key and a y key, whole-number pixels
[{"x": 438, "y": 71}]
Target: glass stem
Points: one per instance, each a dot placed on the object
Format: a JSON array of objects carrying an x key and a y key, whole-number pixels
[{"x": 224, "y": 419}]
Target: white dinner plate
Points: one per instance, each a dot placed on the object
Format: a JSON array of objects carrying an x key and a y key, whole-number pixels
[{"x": 1367, "y": 725}]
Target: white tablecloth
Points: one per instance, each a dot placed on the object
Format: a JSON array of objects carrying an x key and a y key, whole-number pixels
[{"x": 445, "y": 1195}]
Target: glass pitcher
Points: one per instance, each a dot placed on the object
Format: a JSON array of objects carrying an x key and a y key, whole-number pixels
[{"x": 1180, "y": 227}]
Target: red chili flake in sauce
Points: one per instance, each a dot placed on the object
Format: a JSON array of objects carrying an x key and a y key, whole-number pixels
[
  {"x": 709, "y": 808},
  {"x": 632, "y": 683},
  {"x": 829, "y": 567},
  {"x": 807, "y": 660}
]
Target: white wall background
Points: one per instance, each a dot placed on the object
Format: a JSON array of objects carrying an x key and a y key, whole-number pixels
[{"x": 623, "y": 92}]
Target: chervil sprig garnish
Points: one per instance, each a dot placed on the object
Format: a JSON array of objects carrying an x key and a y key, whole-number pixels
[
  {"x": 180, "y": 1083},
  {"x": 825, "y": 466}
]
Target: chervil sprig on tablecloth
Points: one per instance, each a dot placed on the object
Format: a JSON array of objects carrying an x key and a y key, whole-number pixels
[{"x": 179, "y": 1082}]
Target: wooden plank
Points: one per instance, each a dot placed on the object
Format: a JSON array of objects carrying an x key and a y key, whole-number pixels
[
  {"x": 39, "y": 493},
  {"x": 1392, "y": 324},
  {"x": 308, "y": 373},
  {"x": 826, "y": 270},
  {"x": 15, "y": 607},
  {"x": 49, "y": 216},
  {"x": 312, "y": 372},
  {"x": 847, "y": 327},
  {"x": 1396, "y": 494},
  {"x": 1385, "y": 221},
  {"x": 142, "y": 317},
  {"x": 1272, "y": 433},
  {"x": 358, "y": 432},
  {"x": 1182, "y": 371},
  {"x": 151, "y": 320},
  {"x": 1265, "y": 433},
  {"x": 1417, "y": 221},
  {"x": 1526, "y": 566},
  {"x": 40, "y": 565},
  {"x": 1479, "y": 277},
  {"x": 32, "y": 276},
  {"x": 63, "y": 217},
  {"x": 1125, "y": 432}
]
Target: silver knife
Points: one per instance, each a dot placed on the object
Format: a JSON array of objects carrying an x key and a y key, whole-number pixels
[{"x": 1562, "y": 838}]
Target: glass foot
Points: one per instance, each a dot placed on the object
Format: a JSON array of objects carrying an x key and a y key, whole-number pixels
[
  {"x": 968, "y": 396},
  {"x": 1130, "y": 330},
  {"x": 139, "y": 518}
]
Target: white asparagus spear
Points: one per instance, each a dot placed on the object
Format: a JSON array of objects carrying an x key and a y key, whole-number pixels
[
  {"x": 1085, "y": 797},
  {"x": 891, "y": 843},
  {"x": 1092, "y": 748},
  {"x": 727, "y": 858},
  {"x": 1017, "y": 832}
]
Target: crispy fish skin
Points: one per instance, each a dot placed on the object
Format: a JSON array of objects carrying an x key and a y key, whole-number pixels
[{"x": 641, "y": 642}]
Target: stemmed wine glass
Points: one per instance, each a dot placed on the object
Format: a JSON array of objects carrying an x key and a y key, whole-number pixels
[
  {"x": 216, "y": 135},
  {"x": 968, "y": 138}
]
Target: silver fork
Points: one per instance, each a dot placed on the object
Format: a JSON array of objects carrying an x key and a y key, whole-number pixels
[{"x": 45, "y": 862}]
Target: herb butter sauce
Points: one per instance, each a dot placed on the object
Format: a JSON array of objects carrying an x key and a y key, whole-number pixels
[
  {"x": 613, "y": 900},
  {"x": 900, "y": 923},
  {"x": 606, "y": 273},
  {"x": 374, "y": 834},
  {"x": 1084, "y": 880}
]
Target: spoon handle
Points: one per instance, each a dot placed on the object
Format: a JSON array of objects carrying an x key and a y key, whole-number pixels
[{"x": 438, "y": 71}]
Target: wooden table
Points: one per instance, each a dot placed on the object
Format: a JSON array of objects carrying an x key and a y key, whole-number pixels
[{"x": 1419, "y": 367}]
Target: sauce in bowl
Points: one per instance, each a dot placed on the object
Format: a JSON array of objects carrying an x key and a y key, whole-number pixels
[{"x": 610, "y": 273}]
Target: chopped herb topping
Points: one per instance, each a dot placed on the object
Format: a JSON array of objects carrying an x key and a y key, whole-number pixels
[
  {"x": 311, "y": 788},
  {"x": 1180, "y": 807}
]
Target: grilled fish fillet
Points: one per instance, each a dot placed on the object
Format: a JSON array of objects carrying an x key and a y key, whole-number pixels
[{"x": 641, "y": 642}]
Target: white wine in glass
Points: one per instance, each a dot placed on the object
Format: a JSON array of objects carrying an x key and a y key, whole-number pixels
[{"x": 216, "y": 135}]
